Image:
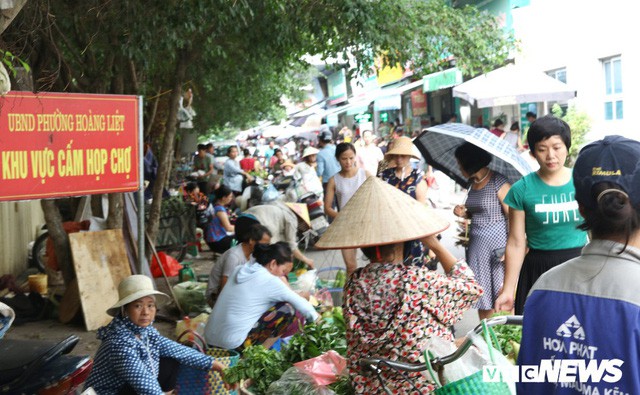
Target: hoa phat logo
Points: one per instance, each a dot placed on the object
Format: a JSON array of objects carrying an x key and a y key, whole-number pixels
[
  {"x": 579, "y": 371},
  {"x": 571, "y": 328}
]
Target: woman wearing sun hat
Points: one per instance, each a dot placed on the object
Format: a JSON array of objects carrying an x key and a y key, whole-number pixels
[
  {"x": 588, "y": 307},
  {"x": 306, "y": 171},
  {"x": 133, "y": 357},
  {"x": 392, "y": 309},
  {"x": 410, "y": 181}
]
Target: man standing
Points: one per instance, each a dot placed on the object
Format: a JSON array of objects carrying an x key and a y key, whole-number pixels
[
  {"x": 232, "y": 176},
  {"x": 531, "y": 116},
  {"x": 327, "y": 163},
  {"x": 204, "y": 162},
  {"x": 270, "y": 151},
  {"x": 369, "y": 155}
]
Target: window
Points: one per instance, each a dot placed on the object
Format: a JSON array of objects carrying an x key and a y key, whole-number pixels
[
  {"x": 559, "y": 74},
  {"x": 613, "y": 101}
]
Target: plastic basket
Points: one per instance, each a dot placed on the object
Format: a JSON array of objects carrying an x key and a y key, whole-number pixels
[
  {"x": 195, "y": 381},
  {"x": 326, "y": 280}
]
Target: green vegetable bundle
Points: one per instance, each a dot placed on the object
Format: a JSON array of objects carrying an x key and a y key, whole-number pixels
[
  {"x": 509, "y": 338},
  {"x": 316, "y": 339},
  {"x": 264, "y": 367},
  {"x": 259, "y": 365}
]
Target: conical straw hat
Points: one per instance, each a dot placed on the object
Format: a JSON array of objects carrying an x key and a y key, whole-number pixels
[
  {"x": 403, "y": 146},
  {"x": 379, "y": 214}
]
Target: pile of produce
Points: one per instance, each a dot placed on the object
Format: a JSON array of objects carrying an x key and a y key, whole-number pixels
[
  {"x": 264, "y": 367},
  {"x": 509, "y": 338}
]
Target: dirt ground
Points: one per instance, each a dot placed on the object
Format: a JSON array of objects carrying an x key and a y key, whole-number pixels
[{"x": 88, "y": 344}]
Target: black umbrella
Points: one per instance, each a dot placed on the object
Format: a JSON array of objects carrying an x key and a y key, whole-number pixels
[{"x": 438, "y": 145}]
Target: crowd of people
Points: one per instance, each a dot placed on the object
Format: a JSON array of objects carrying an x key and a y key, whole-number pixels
[{"x": 559, "y": 246}]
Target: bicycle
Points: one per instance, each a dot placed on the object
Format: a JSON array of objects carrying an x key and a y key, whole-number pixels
[
  {"x": 373, "y": 365},
  {"x": 177, "y": 228}
]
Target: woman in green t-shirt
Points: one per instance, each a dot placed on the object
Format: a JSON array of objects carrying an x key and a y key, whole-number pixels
[{"x": 543, "y": 215}]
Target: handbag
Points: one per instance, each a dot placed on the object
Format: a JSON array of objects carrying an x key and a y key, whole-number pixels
[
  {"x": 498, "y": 253},
  {"x": 195, "y": 381},
  {"x": 473, "y": 383}
]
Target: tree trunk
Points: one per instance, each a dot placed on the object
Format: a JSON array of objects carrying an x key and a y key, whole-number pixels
[
  {"x": 165, "y": 161},
  {"x": 115, "y": 219},
  {"x": 96, "y": 206},
  {"x": 59, "y": 237},
  {"x": 152, "y": 116}
]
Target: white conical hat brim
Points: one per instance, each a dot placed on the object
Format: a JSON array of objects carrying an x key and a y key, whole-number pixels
[{"x": 379, "y": 214}]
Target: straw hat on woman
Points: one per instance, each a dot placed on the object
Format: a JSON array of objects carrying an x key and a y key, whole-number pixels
[
  {"x": 133, "y": 357},
  {"x": 392, "y": 309},
  {"x": 306, "y": 170}
]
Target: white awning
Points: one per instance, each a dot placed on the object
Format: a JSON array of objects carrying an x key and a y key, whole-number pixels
[
  {"x": 512, "y": 85},
  {"x": 391, "y": 102}
]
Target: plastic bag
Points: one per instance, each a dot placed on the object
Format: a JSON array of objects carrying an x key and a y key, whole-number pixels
[
  {"x": 170, "y": 265},
  {"x": 191, "y": 296},
  {"x": 470, "y": 362},
  {"x": 270, "y": 195},
  {"x": 306, "y": 281},
  {"x": 196, "y": 324},
  {"x": 325, "y": 368},
  {"x": 498, "y": 359},
  {"x": 324, "y": 298},
  {"x": 480, "y": 354},
  {"x": 7, "y": 315},
  {"x": 296, "y": 381}
]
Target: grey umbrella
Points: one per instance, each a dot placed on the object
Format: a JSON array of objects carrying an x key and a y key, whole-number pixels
[{"x": 438, "y": 144}]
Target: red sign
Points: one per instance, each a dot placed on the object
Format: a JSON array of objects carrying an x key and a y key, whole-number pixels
[
  {"x": 58, "y": 144},
  {"x": 418, "y": 103}
]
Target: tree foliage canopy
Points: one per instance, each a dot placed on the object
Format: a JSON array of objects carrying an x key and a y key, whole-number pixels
[{"x": 242, "y": 55}]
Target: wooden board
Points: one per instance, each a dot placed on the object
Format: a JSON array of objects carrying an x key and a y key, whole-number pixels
[{"x": 100, "y": 261}]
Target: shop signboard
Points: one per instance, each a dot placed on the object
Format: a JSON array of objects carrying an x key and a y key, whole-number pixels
[
  {"x": 362, "y": 118},
  {"x": 337, "y": 85},
  {"x": 58, "y": 144},
  {"x": 418, "y": 103},
  {"x": 389, "y": 74},
  {"x": 385, "y": 103},
  {"x": 442, "y": 79}
]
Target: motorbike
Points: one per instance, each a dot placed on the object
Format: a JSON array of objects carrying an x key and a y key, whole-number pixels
[{"x": 38, "y": 366}]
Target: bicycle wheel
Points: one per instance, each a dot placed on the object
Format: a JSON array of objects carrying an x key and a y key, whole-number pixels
[{"x": 39, "y": 252}]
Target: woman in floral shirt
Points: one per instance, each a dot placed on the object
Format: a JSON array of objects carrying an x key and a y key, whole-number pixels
[{"x": 392, "y": 309}]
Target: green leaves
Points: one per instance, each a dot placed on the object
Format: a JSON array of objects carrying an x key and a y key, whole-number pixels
[
  {"x": 264, "y": 366},
  {"x": 243, "y": 55},
  {"x": 9, "y": 61}
]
